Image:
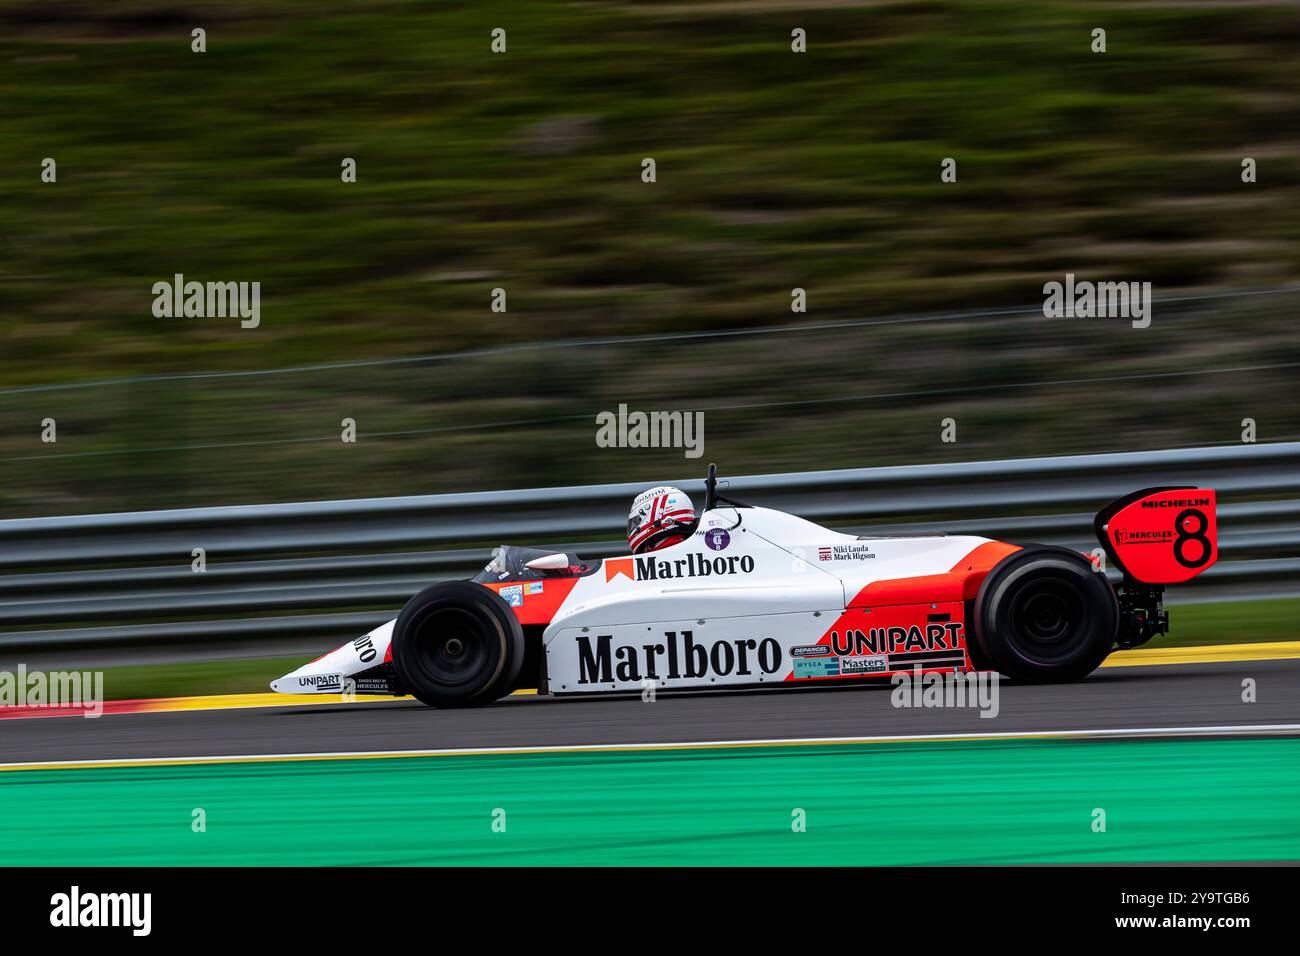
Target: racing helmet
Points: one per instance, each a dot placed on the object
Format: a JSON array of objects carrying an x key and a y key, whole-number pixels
[{"x": 659, "y": 517}]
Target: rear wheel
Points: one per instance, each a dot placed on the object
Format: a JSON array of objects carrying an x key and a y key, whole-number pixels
[
  {"x": 1044, "y": 615},
  {"x": 457, "y": 644}
]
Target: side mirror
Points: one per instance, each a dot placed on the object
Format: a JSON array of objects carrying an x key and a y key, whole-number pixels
[
  {"x": 710, "y": 488},
  {"x": 549, "y": 562}
]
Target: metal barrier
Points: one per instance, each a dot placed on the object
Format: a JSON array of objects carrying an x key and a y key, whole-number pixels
[{"x": 319, "y": 572}]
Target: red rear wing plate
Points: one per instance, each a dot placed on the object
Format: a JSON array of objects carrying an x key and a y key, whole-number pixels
[{"x": 1161, "y": 535}]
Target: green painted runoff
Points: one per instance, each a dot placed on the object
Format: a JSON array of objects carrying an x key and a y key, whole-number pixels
[{"x": 1023, "y": 801}]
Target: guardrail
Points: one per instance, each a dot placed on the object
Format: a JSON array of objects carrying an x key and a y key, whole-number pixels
[{"x": 316, "y": 573}]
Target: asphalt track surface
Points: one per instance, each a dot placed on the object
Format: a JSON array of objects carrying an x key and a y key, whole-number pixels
[{"x": 1146, "y": 698}]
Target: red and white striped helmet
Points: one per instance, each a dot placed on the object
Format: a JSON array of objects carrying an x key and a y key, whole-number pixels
[{"x": 659, "y": 517}]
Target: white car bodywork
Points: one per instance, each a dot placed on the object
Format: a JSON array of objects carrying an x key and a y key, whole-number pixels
[{"x": 752, "y": 596}]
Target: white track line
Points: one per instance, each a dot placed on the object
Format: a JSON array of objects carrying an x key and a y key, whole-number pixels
[{"x": 1121, "y": 732}]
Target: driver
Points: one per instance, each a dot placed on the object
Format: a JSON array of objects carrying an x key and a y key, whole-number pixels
[{"x": 659, "y": 517}]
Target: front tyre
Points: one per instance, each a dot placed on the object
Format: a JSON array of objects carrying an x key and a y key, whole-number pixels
[
  {"x": 457, "y": 644},
  {"x": 1043, "y": 615}
]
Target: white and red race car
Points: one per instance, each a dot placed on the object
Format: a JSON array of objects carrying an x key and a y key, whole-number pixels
[{"x": 757, "y": 597}]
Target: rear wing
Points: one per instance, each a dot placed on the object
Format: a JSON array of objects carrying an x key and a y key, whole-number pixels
[{"x": 1160, "y": 535}]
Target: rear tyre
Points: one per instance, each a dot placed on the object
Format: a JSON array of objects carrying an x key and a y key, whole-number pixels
[
  {"x": 1043, "y": 615},
  {"x": 457, "y": 644}
]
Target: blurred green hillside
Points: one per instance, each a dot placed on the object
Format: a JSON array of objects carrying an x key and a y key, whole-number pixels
[{"x": 523, "y": 171}]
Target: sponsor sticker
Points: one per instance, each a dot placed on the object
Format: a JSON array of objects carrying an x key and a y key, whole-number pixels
[
  {"x": 810, "y": 650},
  {"x": 678, "y": 655},
  {"x": 1194, "y": 502},
  {"x": 535, "y": 587},
  {"x": 372, "y": 685},
  {"x": 936, "y": 636},
  {"x": 513, "y": 595},
  {"x": 863, "y": 665},
  {"x": 816, "y": 667},
  {"x": 321, "y": 683},
  {"x": 650, "y": 568}
]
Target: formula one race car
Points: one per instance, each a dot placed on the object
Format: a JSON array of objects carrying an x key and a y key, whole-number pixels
[{"x": 754, "y": 596}]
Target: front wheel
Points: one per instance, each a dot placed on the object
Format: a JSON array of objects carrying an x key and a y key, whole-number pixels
[
  {"x": 1043, "y": 615},
  {"x": 457, "y": 644}
]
